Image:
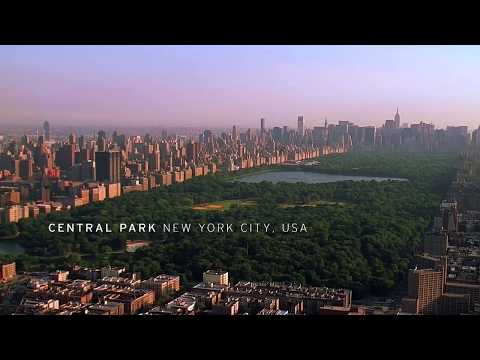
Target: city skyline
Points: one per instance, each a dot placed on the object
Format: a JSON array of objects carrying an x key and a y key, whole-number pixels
[{"x": 211, "y": 86}]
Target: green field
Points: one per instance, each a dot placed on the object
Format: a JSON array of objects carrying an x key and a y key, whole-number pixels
[
  {"x": 223, "y": 205},
  {"x": 228, "y": 204}
]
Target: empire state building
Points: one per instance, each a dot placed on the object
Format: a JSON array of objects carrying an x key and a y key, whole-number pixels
[{"x": 397, "y": 120}]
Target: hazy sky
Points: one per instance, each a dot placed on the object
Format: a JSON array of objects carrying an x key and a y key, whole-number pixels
[{"x": 219, "y": 86}]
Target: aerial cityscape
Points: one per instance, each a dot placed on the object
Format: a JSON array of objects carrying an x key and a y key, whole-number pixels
[{"x": 301, "y": 217}]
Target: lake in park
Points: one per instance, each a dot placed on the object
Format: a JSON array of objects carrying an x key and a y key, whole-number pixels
[{"x": 308, "y": 177}]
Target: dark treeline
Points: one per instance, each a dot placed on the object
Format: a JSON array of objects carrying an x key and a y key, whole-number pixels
[
  {"x": 364, "y": 243},
  {"x": 429, "y": 171}
]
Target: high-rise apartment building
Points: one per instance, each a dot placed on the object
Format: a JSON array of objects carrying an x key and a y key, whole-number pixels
[
  {"x": 277, "y": 134},
  {"x": 191, "y": 151},
  {"x": 9, "y": 196},
  {"x": 26, "y": 168},
  {"x": 101, "y": 141},
  {"x": 65, "y": 156},
  {"x": 46, "y": 131},
  {"x": 300, "y": 129},
  {"x": 7, "y": 271},
  {"x": 215, "y": 277},
  {"x": 155, "y": 161},
  {"x": 108, "y": 166},
  {"x": 162, "y": 284},
  {"x": 45, "y": 192},
  {"x": 449, "y": 213},
  {"x": 425, "y": 290}
]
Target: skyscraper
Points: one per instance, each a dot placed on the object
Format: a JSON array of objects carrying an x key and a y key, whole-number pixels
[
  {"x": 262, "y": 126},
  {"x": 277, "y": 133},
  {"x": 155, "y": 160},
  {"x": 191, "y": 151},
  {"x": 285, "y": 134},
  {"x": 425, "y": 290},
  {"x": 300, "y": 126},
  {"x": 46, "y": 130},
  {"x": 108, "y": 166},
  {"x": 26, "y": 168},
  {"x": 101, "y": 141},
  {"x": 449, "y": 213},
  {"x": 65, "y": 156},
  {"x": 72, "y": 139},
  {"x": 81, "y": 142},
  {"x": 45, "y": 191},
  {"x": 397, "y": 120}
]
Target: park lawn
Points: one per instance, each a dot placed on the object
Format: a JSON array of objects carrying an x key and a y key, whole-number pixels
[
  {"x": 227, "y": 204},
  {"x": 223, "y": 205}
]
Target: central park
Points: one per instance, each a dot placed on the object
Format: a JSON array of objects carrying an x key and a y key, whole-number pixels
[{"x": 363, "y": 225}]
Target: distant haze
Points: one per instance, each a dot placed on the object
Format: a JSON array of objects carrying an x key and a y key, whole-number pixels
[{"x": 218, "y": 86}]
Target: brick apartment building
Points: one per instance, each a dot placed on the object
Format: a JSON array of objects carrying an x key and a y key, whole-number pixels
[{"x": 7, "y": 271}]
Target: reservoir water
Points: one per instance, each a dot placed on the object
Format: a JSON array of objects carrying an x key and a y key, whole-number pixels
[{"x": 308, "y": 177}]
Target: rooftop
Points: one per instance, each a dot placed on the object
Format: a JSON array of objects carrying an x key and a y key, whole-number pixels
[
  {"x": 216, "y": 272},
  {"x": 163, "y": 277}
]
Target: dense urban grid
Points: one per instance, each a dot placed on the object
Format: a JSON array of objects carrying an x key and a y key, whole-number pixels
[
  {"x": 446, "y": 277},
  {"x": 42, "y": 174},
  {"x": 39, "y": 174},
  {"x": 113, "y": 291}
]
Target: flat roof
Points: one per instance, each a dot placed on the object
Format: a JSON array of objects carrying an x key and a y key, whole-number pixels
[
  {"x": 462, "y": 284},
  {"x": 215, "y": 272}
]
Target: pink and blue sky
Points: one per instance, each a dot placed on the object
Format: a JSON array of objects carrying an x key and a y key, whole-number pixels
[{"x": 218, "y": 86}]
